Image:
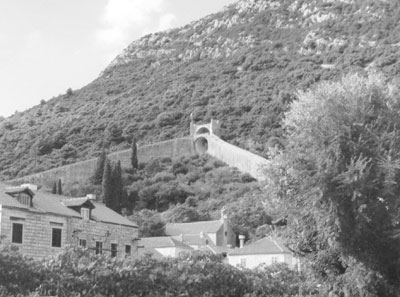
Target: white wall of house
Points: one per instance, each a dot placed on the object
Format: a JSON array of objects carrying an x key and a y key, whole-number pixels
[
  {"x": 167, "y": 251},
  {"x": 252, "y": 261},
  {"x": 171, "y": 251},
  {"x": 213, "y": 237}
]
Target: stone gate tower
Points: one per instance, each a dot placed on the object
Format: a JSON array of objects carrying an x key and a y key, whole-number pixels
[{"x": 201, "y": 132}]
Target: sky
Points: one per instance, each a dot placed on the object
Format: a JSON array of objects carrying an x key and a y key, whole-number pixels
[{"x": 48, "y": 46}]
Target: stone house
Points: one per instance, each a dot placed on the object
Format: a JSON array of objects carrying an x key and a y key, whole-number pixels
[
  {"x": 265, "y": 251},
  {"x": 199, "y": 234},
  {"x": 39, "y": 224},
  {"x": 215, "y": 236}
]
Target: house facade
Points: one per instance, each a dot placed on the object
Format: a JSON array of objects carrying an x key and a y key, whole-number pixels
[
  {"x": 39, "y": 224},
  {"x": 265, "y": 251}
]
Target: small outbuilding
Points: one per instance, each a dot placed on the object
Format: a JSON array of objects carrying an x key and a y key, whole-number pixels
[{"x": 265, "y": 251}]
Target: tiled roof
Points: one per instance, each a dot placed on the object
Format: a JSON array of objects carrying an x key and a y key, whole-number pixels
[
  {"x": 71, "y": 202},
  {"x": 6, "y": 199},
  {"x": 17, "y": 190},
  {"x": 54, "y": 204},
  {"x": 190, "y": 239},
  {"x": 218, "y": 249},
  {"x": 104, "y": 214},
  {"x": 194, "y": 239},
  {"x": 261, "y": 247},
  {"x": 193, "y": 228},
  {"x": 162, "y": 242},
  {"x": 42, "y": 202}
]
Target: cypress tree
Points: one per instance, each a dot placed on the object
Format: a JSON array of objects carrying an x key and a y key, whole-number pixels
[
  {"x": 97, "y": 178},
  {"x": 134, "y": 159},
  {"x": 117, "y": 186},
  {"x": 59, "y": 188},
  {"x": 107, "y": 187},
  {"x": 54, "y": 189},
  {"x": 124, "y": 203}
]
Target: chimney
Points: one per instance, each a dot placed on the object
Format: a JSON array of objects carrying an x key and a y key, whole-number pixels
[
  {"x": 224, "y": 216},
  {"x": 241, "y": 239},
  {"x": 31, "y": 187},
  {"x": 91, "y": 196}
]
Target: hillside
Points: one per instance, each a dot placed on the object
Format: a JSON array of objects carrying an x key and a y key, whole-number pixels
[{"x": 242, "y": 66}]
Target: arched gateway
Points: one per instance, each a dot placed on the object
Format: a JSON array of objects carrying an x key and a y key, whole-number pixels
[{"x": 201, "y": 133}]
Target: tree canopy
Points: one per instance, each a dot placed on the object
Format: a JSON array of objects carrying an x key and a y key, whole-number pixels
[{"x": 338, "y": 179}]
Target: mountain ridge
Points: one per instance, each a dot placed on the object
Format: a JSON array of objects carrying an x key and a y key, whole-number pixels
[{"x": 242, "y": 65}]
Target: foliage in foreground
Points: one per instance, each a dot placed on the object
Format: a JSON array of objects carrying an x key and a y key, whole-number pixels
[
  {"x": 338, "y": 180},
  {"x": 78, "y": 272}
]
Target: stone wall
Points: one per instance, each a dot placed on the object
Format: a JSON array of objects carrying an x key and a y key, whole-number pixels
[
  {"x": 107, "y": 233},
  {"x": 234, "y": 156},
  {"x": 37, "y": 232},
  {"x": 81, "y": 171}
]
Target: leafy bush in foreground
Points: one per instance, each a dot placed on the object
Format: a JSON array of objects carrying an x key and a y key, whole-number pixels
[{"x": 78, "y": 272}]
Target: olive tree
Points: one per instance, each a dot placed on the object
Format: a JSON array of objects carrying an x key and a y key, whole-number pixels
[{"x": 338, "y": 179}]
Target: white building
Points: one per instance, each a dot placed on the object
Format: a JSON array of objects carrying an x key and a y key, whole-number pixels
[
  {"x": 264, "y": 251},
  {"x": 162, "y": 246}
]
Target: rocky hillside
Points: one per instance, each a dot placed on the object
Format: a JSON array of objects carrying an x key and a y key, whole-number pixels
[{"x": 242, "y": 65}]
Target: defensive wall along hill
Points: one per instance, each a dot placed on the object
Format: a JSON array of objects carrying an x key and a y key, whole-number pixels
[
  {"x": 234, "y": 156},
  {"x": 203, "y": 139},
  {"x": 81, "y": 171},
  {"x": 206, "y": 140}
]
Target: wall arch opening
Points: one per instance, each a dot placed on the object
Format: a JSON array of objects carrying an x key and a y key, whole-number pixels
[
  {"x": 201, "y": 145},
  {"x": 203, "y": 130}
]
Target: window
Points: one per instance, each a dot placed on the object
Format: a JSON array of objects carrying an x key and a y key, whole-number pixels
[
  {"x": 128, "y": 250},
  {"x": 17, "y": 232},
  {"x": 82, "y": 243},
  {"x": 243, "y": 262},
  {"x": 24, "y": 199},
  {"x": 274, "y": 260},
  {"x": 56, "y": 237},
  {"x": 85, "y": 213},
  {"x": 226, "y": 233},
  {"x": 114, "y": 249},
  {"x": 99, "y": 247}
]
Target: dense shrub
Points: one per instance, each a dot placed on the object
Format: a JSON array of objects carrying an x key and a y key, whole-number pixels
[
  {"x": 168, "y": 118},
  {"x": 19, "y": 275},
  {"x": 79, "y": 272}
]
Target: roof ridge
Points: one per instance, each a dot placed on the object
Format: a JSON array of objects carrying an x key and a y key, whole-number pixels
[
  {"x": 74, "y": 198},
  {"x": 194, "y": 222},
  {"x": 277, "y": 244},
  {"x": 176, "y": 242}
]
